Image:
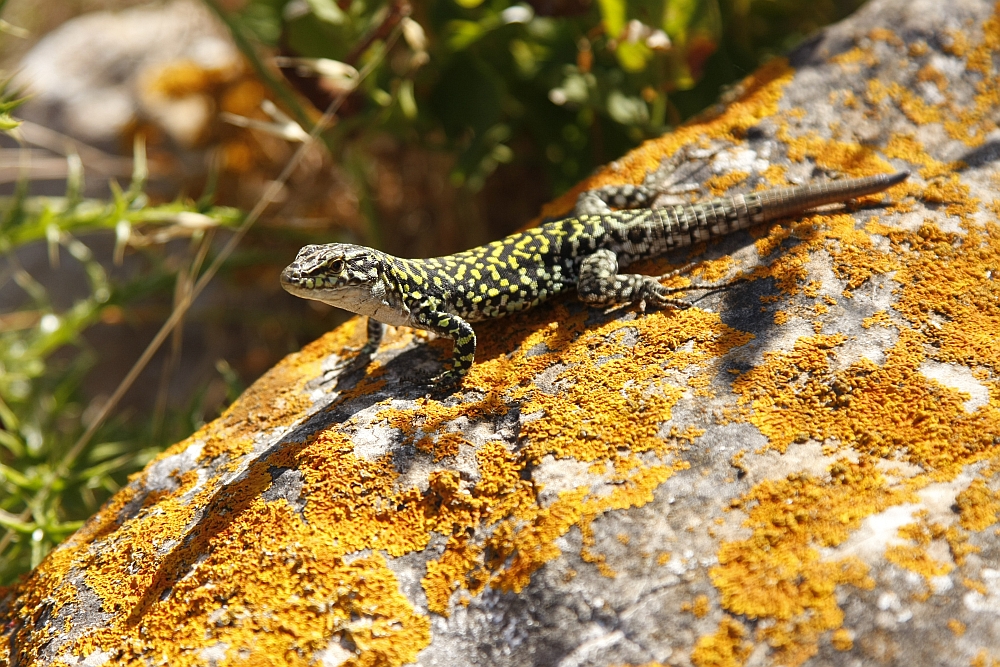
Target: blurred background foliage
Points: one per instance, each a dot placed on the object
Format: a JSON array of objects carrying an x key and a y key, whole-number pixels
[{"x": 473, "y": 114}]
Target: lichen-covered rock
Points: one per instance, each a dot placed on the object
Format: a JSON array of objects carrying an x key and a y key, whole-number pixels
[{"x": 802, "y": 470}]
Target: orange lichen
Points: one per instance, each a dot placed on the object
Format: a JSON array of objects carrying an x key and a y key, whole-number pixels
[
  {"x": 725, "y": 648},
  {"x": 974, "y": 585},
  {"x": 983, "y": 659},
  {"x": 700, "y": 606},
  {"x": 855, "y": 259},
  {"x": 314, "y": 592},
  {"x": 719, "y": 185},
  {"x": 777, "y": 573},
  {"x": 854, "y": 57},
  {"x": 446, "y": 444},
  {"x": 885, "y": 35},
  {"x": 912, "y": 105},
  {"x": 958, "y": 543},
  {"x": 770, "y": 238},
  {"x": 970, "y": 125},
  {"x": 916, "y": 559},
  {"x": 963, "y": 291},
  {"x": 887, "y": 410},
  {"x": 978, "y": 506},
  {"x": 460, "y": 556},
  {"x": 930, "y": 73},
  {"x": 881, "y": 319},
  {"x": 842, "y": 640},
  {"x": 714, "y": 270}
]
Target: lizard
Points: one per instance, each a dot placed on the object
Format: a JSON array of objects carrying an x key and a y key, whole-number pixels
[{"x": 583, "y": 251}]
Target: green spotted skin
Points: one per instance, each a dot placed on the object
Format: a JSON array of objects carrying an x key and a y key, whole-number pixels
[{"x": 582, "y": 252}]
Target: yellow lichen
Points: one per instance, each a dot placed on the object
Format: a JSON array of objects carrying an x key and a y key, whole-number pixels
[
  {"x": 881, "y": 318},
  {"x": 916, "y": 559},
  {"x": 978, "y": 506},
  {"x": 725, "y": 648},
  {"x": 842, "y": 640},
  {"x": 719, "y": 185},
  {"x": 983, "y": 659},
  {"x": 700, "y": 606},
  {"x": 778, "y": 574}
]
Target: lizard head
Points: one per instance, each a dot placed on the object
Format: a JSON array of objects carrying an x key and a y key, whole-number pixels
[{"x": 332, "y": 272}]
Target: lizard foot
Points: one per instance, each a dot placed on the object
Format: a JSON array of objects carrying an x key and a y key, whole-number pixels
[
  {"x": 662, "y": 302},
  {"x": 657, "y": 296},
  {"x": 447, "y": 381}
]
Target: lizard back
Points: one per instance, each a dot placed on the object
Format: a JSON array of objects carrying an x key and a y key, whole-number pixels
[{"x": 526, "y": 268}]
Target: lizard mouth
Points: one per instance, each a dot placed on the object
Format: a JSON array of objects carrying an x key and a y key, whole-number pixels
[
  {"x": 289, "y": 276},
  {"x": 292, "y": 279},
  {"x": 300, "y": 284}
]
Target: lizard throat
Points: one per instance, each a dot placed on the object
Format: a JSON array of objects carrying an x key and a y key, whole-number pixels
[{"x": 360, "y": 299}]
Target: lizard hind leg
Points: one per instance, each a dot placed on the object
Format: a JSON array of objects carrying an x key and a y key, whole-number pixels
[{"x": 600, "y": 284}]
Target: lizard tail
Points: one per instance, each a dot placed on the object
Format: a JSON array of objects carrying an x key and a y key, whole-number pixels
[{"x": 785, "y": 202}]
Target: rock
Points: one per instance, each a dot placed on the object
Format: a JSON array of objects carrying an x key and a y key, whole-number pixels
[
  {"x": 801, "y": 470},
  {"x": 132, "y": 73},
  {"x": 162, "y": 71}
]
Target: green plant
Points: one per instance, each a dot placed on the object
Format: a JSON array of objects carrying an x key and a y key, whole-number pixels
[
  {"x": 567, "y": 84},
  {"x": 49, "y": 481}
]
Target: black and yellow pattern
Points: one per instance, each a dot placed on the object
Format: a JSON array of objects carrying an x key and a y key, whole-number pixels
[{"x": 584, "y": 252}]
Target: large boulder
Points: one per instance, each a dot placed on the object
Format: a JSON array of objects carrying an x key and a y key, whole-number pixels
[{"x": 802, "y": 469}]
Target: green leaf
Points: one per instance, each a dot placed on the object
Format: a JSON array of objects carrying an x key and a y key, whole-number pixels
[
  {"x": 678, "y": 16},
  {"x": 16, "y": 478},
  {"x": 107, "y": 450},
  {"x": 627, "y": 110},
  {"x": 633, "y": 56},
  {"x": 7, "y": 123},
  {"x": 407, "y": 101},
  {"x": 328, "y": 11},
  {"x": 12, "y": 522},
  {"x": 468, "y": 4},
  {"x": 524, "y": 58},
  {"x": 61, "y": 529},
  {"x": 462, "y": 34},
  {"x": 12, "y": 443},
  {"x": 613, "y": 17}
]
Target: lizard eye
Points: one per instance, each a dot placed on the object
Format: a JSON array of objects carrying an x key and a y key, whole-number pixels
[{"x": 336, "y": 266}]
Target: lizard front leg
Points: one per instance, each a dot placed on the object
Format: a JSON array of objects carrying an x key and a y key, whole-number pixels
[
  {"x": 375, "y": 329},
  {"x": 600, "y": 284},
  {"x": 460, "y": 331}
]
